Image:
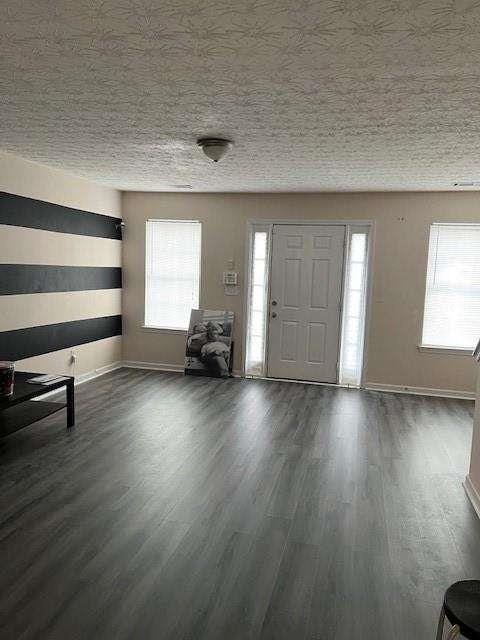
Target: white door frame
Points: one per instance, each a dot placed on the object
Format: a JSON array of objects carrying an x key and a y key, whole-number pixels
[{"x": 267, "y": 225}]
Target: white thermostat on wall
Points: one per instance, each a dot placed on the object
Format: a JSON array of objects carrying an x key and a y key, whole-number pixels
[{"x": 230, "y": 278}]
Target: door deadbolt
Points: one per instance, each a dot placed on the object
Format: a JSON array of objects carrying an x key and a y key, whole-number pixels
[{"x": 274, "y": 303}]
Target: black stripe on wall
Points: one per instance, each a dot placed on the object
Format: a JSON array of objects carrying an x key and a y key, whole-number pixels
[
  {"x": 38, "y": 278},
  {"x": 34, "y": 341},
  {"x": 37, "y": 214}
]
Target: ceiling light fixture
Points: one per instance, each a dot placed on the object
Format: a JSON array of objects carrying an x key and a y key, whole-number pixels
[{"x": 214, "y": 148}]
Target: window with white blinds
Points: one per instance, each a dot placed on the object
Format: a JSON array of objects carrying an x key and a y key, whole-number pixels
[
  {"x": 452, "y": 300},
  {"x": 172, "y": 272}
]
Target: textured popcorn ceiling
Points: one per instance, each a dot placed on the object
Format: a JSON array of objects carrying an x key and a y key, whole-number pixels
[{"x": 317, "y": 95}]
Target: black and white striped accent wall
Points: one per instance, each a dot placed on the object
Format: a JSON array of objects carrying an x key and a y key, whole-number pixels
[{"x": 60, "y": 282}]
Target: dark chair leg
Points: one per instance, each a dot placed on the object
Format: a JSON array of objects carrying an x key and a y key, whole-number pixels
[{"x": 441, "y": 622}]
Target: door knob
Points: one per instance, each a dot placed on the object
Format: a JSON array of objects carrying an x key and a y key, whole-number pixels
[
  {"x": 274, "y": 303},
  {"x": 274, "y": 315}
]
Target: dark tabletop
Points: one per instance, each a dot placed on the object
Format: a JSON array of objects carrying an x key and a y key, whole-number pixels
[{"x": 23, "y": 391}]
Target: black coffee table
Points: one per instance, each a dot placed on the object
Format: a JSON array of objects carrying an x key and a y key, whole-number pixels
[{"x": 20, "y": 409}]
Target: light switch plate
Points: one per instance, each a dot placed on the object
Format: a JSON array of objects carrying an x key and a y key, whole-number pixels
[{"x": 230, "y": 278}]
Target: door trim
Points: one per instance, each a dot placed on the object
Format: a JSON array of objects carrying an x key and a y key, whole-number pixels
[{"x": 259, "y": 224}]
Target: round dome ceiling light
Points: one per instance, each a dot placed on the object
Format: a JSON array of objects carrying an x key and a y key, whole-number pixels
[{"x": 214, "y": 148}]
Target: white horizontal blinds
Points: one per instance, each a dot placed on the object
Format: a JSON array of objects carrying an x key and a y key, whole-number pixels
[
  {"x": 256, "y": 329},
  {"x": 172, "y": 272},
  {"x": 452, "y": 300},
  {"x": 354, "y": 310}
]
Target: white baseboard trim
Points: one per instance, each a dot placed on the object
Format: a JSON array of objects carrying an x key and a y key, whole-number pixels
[
  {"x": 420, "y": 391},
  {"x": 472, "y": 494},
  {"x": 179, "y": 368},
  {"x": 163, "y": 366},
  {"x": 101, "y": 371},
  {"x": 153, "y": 366},
  {"x": 86, "y": 377}
]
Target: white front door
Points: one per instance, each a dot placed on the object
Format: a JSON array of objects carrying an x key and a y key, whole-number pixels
[{"x": 305, "y": 302}]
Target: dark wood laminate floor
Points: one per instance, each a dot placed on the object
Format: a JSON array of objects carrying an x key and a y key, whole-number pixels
[{"x": 190, "y": 508}]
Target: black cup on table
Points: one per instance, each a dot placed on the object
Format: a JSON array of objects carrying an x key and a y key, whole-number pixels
[{"x": 7, "y": 372}]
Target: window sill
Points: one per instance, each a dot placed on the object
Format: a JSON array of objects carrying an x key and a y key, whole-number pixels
[
  {"x": 454, "y": 351},
  {"x": 150, "y": 328}
]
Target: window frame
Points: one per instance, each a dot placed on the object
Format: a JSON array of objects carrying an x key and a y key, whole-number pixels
[
  {"x": 253, "y": 228},
  {"x": 365, "y": 305},
  {"x": 431, "y": 348},
  {"x": 160, "y": 329}
]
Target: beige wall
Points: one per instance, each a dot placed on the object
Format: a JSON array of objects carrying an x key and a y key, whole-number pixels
[
  {"x": 399, "y": 263},
  {"x": 33, "y": 180},
  {"x": 20, "y": 245}
]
